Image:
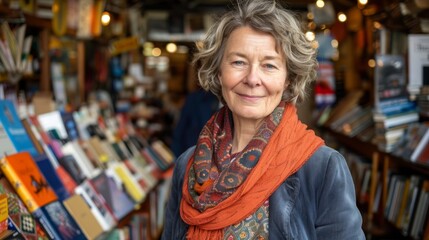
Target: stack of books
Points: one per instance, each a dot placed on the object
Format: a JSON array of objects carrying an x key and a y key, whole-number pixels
[{"x": 394, "y": 110}]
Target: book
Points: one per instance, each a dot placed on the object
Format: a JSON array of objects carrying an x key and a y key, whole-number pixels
[
  {"x": 58, "y": 222},
  {"x": 423, "y": 157},
  {"x": 97, "y": 205},
  {"x": 91, "y": 153},
  {"x": 421, "y": 211},
  {"x": 30, "y": 184},
  {"x": 35, "y": 139},
  {"x": 344, "y": 106},
  {"x": 82, "y": 214},
  {"x": 6, "y": 145},
  {"x": 397, "y": 120},
  {"x": 411, "y": 139},
  {"x": 390, "y": 80},
  {"x": 70, "y": 125},
  {"x": 418, "y": 50},
  {"x": 163, "y": 151},
  {"x": 74, "y": 149},
  {"x": 422, "y": 143},
  {"x": 410, "y": 198},
  {"x": 11, "y": 232},
  {"x": 130, "y": 183},
  {"x": 53, "y": 121},
  {"x": 14, "y": 128},
  {"x": 68, "y": 162},
  {"x": 116, "y": 199},
  {"x": 52, "y": 177}
]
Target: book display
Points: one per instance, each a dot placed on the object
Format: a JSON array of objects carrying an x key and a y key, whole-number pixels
[{"x": 105, "y": 190}]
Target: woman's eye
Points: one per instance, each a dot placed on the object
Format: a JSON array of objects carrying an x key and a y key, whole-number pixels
[
  {"x": 270, "y": 66},
  {"x": 238, "y": 63}
]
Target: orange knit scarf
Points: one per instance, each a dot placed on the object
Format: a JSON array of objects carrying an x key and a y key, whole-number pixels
[{"x": 289, "y": 148}]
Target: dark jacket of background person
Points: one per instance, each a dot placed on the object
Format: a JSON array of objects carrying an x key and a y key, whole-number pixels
[{"x": 198, "y": 108}]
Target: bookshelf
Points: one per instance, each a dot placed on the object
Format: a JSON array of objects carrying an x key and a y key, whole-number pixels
[
  {"x": 42, "y": 27},
  {"x": 382, "y": 164}
]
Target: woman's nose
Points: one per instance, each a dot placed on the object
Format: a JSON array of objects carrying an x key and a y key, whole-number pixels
[{"x": 253, "y": 77}]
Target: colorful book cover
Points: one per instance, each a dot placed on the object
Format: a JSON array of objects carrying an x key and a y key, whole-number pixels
[
  {"x": 14, "y": 128},
  {"x": 51, "y": 176},
  {"x": 19, "y": 213},
  {"x": 58, "y": 222},
  {"x": 116, "y": 199},
  {"x": 30, "y": 184}
]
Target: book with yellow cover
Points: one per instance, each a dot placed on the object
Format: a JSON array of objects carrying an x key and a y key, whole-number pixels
[{"x": 30, "y": 184}]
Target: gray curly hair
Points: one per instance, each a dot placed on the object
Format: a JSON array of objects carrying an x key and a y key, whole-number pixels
[{"x": 265, "y": 16}]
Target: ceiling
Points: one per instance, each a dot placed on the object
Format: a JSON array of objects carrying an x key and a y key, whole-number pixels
[
  {"x": 388, "y": 12},
  {"x": 219, "y": 5}
]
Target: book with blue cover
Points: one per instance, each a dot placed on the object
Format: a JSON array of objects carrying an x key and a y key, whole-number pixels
[
  {"x": 51, "y": 176},
  {"x": 58, "y": 222},
  {"x": 14, "y": 128}
]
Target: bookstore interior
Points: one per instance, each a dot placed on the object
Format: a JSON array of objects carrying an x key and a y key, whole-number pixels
[{"x": 91, "y": 93}]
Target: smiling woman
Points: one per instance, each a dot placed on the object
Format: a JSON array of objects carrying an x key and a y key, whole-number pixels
[{"x": 256, "y": 171}]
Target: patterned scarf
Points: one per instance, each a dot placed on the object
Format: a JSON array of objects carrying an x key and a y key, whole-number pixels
[{"x": 218, "y": 193}]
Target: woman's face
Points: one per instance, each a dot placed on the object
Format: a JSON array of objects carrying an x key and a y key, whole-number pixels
[{"x": 252, "y": 74}]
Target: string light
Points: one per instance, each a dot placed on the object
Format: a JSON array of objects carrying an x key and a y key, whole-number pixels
[
  {"x": 105, "y": 18},
  {"x": 171, "y": 47},
  {"x": 310, "y": 36},
  {"x": 156, "y": 52},
  {"x": 320, "y": 3},
  {"x": 342, "y": 17},
  {"x": 371, "y": 63}
]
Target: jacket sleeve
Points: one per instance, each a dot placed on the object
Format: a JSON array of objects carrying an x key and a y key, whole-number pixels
[
  {"x": 337, "y": 214},
  {"x": 174, "y": 227}
]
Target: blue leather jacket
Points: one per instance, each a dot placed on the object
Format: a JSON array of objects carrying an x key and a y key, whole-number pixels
[{"x": 317, "y": 202}]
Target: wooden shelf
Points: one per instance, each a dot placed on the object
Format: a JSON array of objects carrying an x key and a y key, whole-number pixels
[{"x": 376, "y": 225}]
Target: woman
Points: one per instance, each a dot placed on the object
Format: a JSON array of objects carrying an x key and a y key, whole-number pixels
[{"x": 256, "y": 171}]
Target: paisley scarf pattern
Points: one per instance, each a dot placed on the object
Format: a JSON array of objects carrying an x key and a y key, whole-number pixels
[{"x": 225, "y": 176}]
